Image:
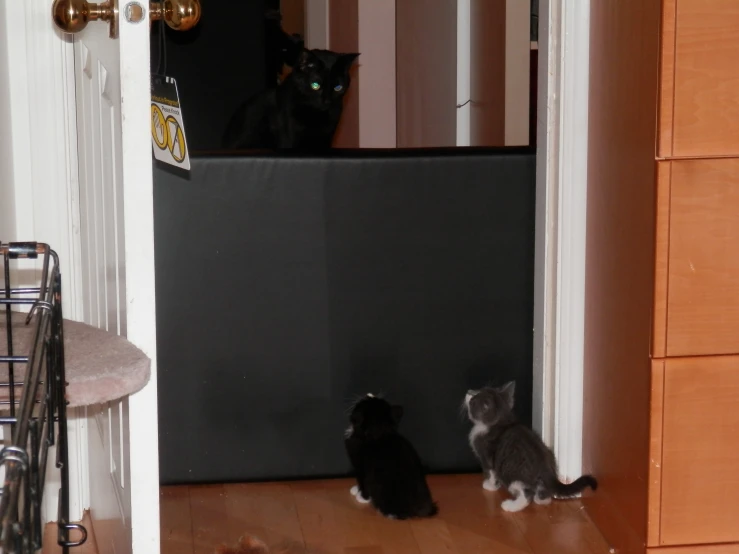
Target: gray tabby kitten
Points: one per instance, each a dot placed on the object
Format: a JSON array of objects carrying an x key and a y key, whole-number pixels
[{"x": 512, "y": 455}]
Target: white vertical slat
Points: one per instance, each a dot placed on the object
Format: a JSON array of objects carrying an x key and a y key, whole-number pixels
[{"x": 464, "y": 66}]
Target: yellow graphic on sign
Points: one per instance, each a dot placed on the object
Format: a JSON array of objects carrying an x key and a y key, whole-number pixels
[
  {"x": 175, "y": 139},
  {"x": 168, "y": 134},
  {"x": 158, "y": 127}
]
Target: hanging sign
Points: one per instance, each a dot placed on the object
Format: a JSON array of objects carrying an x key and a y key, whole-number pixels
[{"x": 167, "y": 127}]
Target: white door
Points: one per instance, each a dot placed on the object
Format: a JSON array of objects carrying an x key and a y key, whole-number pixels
[{"x": 117, "y": 258}]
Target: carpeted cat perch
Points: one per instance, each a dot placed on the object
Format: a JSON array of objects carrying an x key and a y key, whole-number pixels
[{"x": 100, "y": 366}]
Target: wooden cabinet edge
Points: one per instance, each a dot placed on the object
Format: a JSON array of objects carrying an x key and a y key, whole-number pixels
[
  {"x": 666, "y": 99},
  {"x": 654, "y": 504},
  {"x": 730, "y": 548},
  {"x": 661, "y": 259}
]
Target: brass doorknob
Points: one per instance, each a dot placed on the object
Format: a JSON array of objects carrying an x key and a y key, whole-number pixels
[
  {"x": 180, "y": 15},
  {"x": 71, "y": 16}
]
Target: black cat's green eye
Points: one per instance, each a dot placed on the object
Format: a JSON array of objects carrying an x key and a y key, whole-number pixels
[
  {"x": 338, "y": 88},
  {"x": 315, "y": 85}
]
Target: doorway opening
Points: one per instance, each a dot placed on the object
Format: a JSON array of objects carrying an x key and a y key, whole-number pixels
[{"x": 390, "y": 132}]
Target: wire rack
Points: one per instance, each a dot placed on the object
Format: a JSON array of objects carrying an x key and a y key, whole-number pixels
[{"x": 32, "y": 400}]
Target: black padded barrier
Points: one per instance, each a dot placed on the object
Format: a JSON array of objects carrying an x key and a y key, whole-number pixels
[{"x": 287, "y": 286}]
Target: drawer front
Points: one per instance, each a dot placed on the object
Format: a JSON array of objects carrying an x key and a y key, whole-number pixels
[
  {"x": 702, "y": 273},
  {"x": 700, "y": 451},
  {"x": 699, "y": 105}
]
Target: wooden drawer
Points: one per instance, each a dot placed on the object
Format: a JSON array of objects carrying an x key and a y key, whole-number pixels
[
  {"x": 699, "y": 104},
  {"x": 697, "y": 274},
  {"x": 699, "y": 453}
]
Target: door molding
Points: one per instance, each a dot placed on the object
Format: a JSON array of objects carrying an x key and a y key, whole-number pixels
[{"x": 561, "y": 205}]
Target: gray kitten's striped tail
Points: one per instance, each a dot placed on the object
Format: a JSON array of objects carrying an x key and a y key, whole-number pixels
[{"x": 563, "y": 490}]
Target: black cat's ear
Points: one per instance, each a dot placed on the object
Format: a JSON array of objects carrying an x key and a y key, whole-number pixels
[
  {"x": 509, "y": 391},
  {"x": 305, "y": 59},
  {"x": 349, "y": 59},
  {"x": 397, "y": 413}
]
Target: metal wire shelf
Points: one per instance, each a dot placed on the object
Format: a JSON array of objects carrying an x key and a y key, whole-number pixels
[{"x": 34, "y": 404}]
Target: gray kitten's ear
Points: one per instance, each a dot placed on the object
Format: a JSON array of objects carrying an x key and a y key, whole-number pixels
[{"x": 509, "y": 390}]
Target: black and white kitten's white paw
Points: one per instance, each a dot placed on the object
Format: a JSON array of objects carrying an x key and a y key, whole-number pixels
[
  {"x": 542, "y": 501},
  {"x": 354, "y": 491}
]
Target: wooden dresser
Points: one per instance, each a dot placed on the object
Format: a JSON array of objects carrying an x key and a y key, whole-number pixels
[{"x": 662, "y": 285}]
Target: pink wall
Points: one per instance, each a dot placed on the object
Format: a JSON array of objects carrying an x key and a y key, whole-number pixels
[
  {"x": 343, "y": 36},
  {"x": 377, "y": 121},
  {"x": 426, "y": 54},
  {"x": 487, "y": 72}
]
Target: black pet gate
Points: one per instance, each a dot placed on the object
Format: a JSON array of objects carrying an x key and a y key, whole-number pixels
[{"x": 287, "y": 286}]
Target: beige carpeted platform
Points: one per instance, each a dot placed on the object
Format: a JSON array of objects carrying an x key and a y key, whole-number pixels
[{"x": 100, "y": 366}]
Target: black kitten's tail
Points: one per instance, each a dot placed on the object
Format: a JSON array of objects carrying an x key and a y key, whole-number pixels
[
  {"x": 563, "y": 490},
  {"x": 430, "y": 511}
]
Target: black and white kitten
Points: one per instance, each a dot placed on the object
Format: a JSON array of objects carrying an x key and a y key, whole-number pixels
[
  {"x": 302, "y": 113},
  {"x": 388, "y": 469},
  {"x": 512, "y": 455}
]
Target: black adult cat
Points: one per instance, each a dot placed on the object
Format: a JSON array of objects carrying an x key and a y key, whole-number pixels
[
  {"x": 302, "y": 113},
  {"x": 388, "y": 469},
  {"x": 512, "y": 455}
]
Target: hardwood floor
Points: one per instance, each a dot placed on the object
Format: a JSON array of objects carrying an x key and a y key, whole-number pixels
[
  {"x": 321, "y": 517},
  {"x": 50, "y": 535}
]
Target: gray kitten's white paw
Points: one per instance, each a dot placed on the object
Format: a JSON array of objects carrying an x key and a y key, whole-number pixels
[
  {"x": 362, "y": 500},
  {"x": 516, "y": 505},
  {"x": 489, "y": 485},
  {"x": 354, "y": 491},
  {"x": 543, "y": 501}
]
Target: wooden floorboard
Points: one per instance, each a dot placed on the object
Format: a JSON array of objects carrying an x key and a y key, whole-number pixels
[
  {"x": 50, "y": 545},
  {"x": 175, "y": 520},
  {"x": 321, "y": 517}
]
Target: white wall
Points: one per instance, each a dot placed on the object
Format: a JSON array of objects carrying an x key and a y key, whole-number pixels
[
  {"x": 38, "y": 184},
  {"x": 7, "y": 195},
  {"x": 13, "y": 166},
  {"x": 316, "y": 24}
]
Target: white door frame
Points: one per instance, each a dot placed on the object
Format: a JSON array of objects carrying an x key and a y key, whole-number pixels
[
  {"x": 561, "y": 205},
  {"x": 38, "y": 67}
]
